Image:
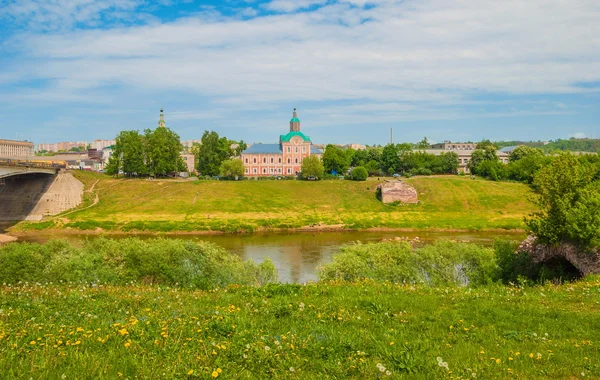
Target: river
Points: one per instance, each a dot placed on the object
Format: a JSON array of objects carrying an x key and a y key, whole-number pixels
[{"x": 298, "y": 255}]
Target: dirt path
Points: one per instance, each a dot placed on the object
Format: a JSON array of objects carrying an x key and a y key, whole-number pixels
[{"x": 95, "y": 202}]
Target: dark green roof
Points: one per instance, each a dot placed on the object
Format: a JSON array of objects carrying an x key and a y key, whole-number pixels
[
  {"x": 295, "y": 120},
  {"x": 288, "y": 137}
]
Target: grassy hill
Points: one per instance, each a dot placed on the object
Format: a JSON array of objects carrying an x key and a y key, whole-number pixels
[
  {"x": 166, "y": 205},
  {"x": 336, "y": 330}
]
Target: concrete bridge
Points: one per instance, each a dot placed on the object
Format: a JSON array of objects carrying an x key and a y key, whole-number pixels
[{"x": 12, "y": 167}]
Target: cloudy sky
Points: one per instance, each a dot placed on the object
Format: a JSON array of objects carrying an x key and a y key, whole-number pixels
[{"x": 446, "y": 69}]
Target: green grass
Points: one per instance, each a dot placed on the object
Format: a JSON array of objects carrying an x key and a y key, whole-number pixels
[
  {"x": 165, "y": 205},
  {"x": 322, "y": 330}
]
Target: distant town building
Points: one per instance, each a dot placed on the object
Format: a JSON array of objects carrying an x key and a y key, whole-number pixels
[
  {"x": 464, "y": 156},
  {"x": 190, "y": 162},
  {"x": 101, "y": 144},
  {"x": 15, "y": 149},
  {"x": 188, "y": 144},
  {"x": 62, "y": 146},
  {"x": 447, "y": 145},
  {"x": 283, "y": 159}
]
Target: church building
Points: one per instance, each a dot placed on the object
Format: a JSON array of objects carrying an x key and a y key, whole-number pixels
[{"x": 283, "y": 159}]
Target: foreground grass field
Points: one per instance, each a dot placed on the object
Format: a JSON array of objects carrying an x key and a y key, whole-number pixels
[
  {"x": 325, "y": 330},
  {"x": 446, "y": 203}
]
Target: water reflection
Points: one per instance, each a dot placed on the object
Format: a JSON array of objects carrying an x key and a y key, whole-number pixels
[{"x": 297, "y": 256}]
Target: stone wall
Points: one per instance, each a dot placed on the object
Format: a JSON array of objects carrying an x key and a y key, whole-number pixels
[
  {"x": 586, "y": 261},
  {"x": 398, "y": 191}
]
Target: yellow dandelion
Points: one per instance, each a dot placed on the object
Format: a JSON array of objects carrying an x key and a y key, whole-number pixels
[
  {"x": 123, "y": 332},
  {"x": 215, "y": 374},
  {"x": 190, "y": 372},
  {"x": 531, "y": 355},
  {"x": 32, "y": 342},
  {"x": 391, "y": 343},
  {"x": 498, "y": 361},
  {"x": 127, "y": 344},
  {"x": 219, "y": 370}
]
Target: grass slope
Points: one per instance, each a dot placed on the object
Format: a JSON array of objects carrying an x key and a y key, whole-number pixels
[
  {"x": 359, "y": 330},
  {"x": 163, "y": 205}
]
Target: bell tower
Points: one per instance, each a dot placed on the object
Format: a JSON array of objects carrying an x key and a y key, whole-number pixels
[
  {"x": 161, "y": 122},
  {"x": 295, "y": 123}
]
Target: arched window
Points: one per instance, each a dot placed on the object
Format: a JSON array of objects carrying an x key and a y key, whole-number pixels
[
  {"x": 289, "y": 161},
  {"x": 255, "y": 160},
  {"x": 280, "y": 160},
  {"x": 264, "y": 160},
  {"x": 296, "y": 149},
  {"x": 271, "y": 159},
  {"x": 296, "y": 160},
  {"x": 246, "y": 159}
]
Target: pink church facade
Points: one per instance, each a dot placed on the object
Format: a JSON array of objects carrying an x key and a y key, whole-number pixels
[{"x": 283, "y": 159}]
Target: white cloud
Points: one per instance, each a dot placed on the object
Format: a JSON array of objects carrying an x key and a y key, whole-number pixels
[
  {"x": 291, "y": 5},
  {"x": 403, "y": 60}
]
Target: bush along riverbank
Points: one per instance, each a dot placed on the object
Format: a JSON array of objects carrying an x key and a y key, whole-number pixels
[{"x": 380, "y": 310}]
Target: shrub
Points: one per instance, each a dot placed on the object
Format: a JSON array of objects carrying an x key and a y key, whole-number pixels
[
  {"x": 439, "y": 264},
  {"x": 156, "y": 261},
  {"x": 359, "y": 173}
]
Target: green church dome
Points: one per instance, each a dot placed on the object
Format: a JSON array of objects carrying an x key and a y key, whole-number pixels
[{"x": 295, "y": 120}]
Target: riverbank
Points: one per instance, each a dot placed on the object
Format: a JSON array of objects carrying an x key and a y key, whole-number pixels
[{"x": 132, "y": 205}]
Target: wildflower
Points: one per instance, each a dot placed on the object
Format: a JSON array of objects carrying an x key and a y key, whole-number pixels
[
  {"x": 127, "y": 344},
  {"x": 123, "y": 332},
  {"x": 267, "y": 348},
  {"x": 32, "y": 342},
  {"x": 498, "y": 361},
  {"x": 391, "y": 343},
  {"x": 190, "y": 372},
  {"x": 215, "y": 374},
  {"x": 292, "y": 369},
  {"x": 531, "y": 355}
]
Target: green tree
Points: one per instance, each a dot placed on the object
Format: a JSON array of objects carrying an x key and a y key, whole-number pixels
[
  {"x": 524, "y": 162},
  {"x": 128, "y": 154},
  {"x": 312, "y": 167},
  {"x": 163, "y": 152},
  {"x": 335, "y": 159},
  {"x": 568, "y": 195},
  {"x": 483, "y": 144},
  {"x": 423, "y": 144},
  {"x": 479, "y": 156},
  {"x": 212, "y": 152},
  {"x": 232, "y": 168},
  {"x": 359, "y": 174},
  {"x": 390, "y": 162},
  {"x": 241, "y": 146}
]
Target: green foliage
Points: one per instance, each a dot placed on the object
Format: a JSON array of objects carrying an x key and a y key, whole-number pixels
[
  {"x": 486, "y": 145},
  {"x": 440, "y": 264},
  {"x": 128, "y": 155},
  {"x": 335, "y": 159},
  {"x": 232, "y": 168},
  {"x": 359, "y": 174},
  {"x": 390, "y": 162},
  {"x": 162, "y": 151},
  {"x": 568, "y": 194},
  {"x": 213, "y": 151},
  {"x": 525, "y": 162},
  {"x": 484, "y": 162},
  {"x": 155, "y": 261},
  {"x": 312, "y": 167}
]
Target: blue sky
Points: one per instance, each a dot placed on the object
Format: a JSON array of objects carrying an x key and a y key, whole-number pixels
[{"x": 449, "y": 70}]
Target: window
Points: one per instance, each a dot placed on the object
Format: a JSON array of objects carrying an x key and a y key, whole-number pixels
[
  {"x": 254, "y": 170},
  {"x": 289, "y": 149},
  {"x": 271, "y": 170},
  {"x": 280, "y": 160},
  {"x": 271, "y": 159},
  {"x": 246, "y": 159},
  {"x": 255, "y": 160},
  {"x": 296, "y": 149},
  {"x": 289, "y": 171},
  {"x": 296, "y": 160},
  {"x": 303, "y": 149},
  {"x": 246, "y": 170},
  {"x": 264, "y": 170},
  {"x": 289, "y": 161},
  {"x": 279, "y": 171},
  {"x": 264, "y": 160}
]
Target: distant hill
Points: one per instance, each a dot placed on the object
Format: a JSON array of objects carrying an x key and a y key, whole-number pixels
[{"x": 572, "y": 145}]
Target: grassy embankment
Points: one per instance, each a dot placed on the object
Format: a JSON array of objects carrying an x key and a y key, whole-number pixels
[
  {"x": 163, "y": 205},
  {"x": 325, "y": 330}
]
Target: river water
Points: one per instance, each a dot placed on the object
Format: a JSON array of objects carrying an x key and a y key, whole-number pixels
[{"x": 298, "y": 255}]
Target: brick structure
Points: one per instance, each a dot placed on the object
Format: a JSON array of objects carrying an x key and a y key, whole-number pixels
[{"x": 283, "y": 159}]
